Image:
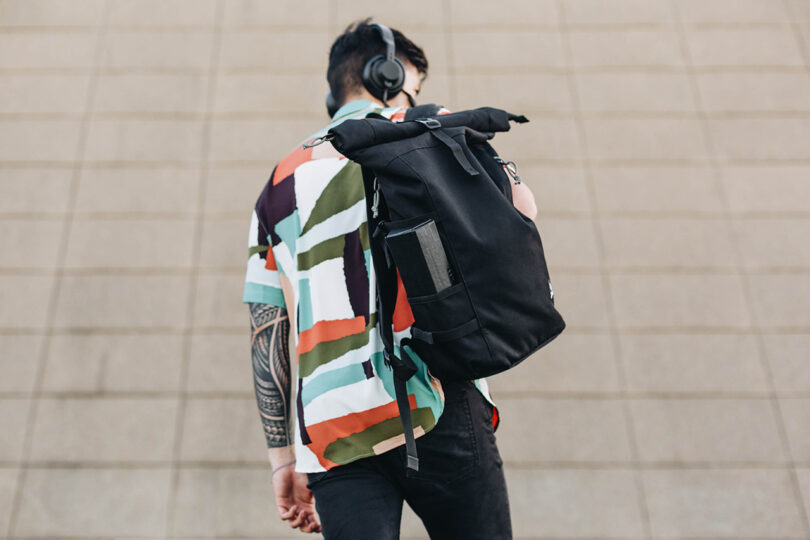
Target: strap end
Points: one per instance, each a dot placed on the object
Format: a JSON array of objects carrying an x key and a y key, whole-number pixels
[{"x": 519, "y": 118}]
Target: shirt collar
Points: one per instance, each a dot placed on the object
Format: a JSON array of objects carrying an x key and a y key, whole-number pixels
[{"x": 354, "y": 106}]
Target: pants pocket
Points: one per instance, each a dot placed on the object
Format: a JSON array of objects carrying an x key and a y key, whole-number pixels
[{"x": 482, "y": 415}]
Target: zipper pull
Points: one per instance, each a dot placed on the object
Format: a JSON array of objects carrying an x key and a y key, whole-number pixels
[{"x": 375, "y": 202}]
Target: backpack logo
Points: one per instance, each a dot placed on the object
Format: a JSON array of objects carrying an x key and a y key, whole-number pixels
[{"x": 550, "y": 290}]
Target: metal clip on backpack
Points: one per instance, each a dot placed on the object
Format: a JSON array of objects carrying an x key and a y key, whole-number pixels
[{"x": 440, "y": 207}]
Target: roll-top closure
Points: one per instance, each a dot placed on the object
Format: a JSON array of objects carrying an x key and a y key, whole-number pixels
[{"x": 361, "y": 133}]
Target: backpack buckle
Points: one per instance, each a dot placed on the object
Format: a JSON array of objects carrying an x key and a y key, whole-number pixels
[
  {"x": 318, "y": 140},
  {"x": 386, "y": 358},
  {"x": 404, "y": 368},
  {"x": 430, "y": 123}
]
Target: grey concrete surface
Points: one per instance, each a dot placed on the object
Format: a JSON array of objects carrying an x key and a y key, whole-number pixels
[{"x": 669, "y": 151}]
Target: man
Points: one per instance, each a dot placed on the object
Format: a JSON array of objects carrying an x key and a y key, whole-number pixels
[{"x": 309, "y": 273}]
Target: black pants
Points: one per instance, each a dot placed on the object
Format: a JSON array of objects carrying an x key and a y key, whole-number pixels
[{"x": 459, "y": 491}]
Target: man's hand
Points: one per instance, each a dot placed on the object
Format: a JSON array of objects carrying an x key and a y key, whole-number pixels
[
  {"x": 271, "y": 376},
  {"x": 294, "y": 501}
]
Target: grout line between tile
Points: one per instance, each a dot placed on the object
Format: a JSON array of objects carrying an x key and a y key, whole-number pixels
[
  {"x": 748, "y": 295},
  {"x": 804, "y": 46},
  {"x": 641, "y": 498},
  {"x": 100, "y": 36},
  {"x": 804, "y": 50},
  {"x": 248, "y": 115},
  {"x": 480, "y": 70},
  {"x": 188, "y": 328},
  {"x": 718, "y": 395},
  {"x": 562, "y": 214},
  {"x": 452, "y": 85}
]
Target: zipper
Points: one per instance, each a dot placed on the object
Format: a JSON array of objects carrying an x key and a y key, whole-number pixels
[{"x": 375, "y": 202}]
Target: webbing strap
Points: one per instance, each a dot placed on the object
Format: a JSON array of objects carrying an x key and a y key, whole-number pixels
[
  {"x": 435, "y": 129},
  {"x": 444, "y": 335},
  {"x": 402, "y": 368},
  {"x": 404, "y": 407},
  {"x": 458, "y": 153}
]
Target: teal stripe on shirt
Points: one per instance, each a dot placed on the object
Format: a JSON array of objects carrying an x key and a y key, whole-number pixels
[
  {"x": 330, "y": 380},
  {"x": 263, "y": 294},
  {"x": 305, "y": 317}
]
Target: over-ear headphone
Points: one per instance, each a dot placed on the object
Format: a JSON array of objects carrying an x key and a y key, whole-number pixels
[{"x": 383, "y": 74}]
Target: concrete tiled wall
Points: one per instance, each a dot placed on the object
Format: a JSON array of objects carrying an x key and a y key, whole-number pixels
[{"x": 669, "y": 150}]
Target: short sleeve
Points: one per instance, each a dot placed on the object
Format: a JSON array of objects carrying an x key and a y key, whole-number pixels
[{"x": 263, "y": 278}]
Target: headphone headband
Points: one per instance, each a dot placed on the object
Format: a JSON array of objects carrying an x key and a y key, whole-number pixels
[{"x": 388, "y": 39}]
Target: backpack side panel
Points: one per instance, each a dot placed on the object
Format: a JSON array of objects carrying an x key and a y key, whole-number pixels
[{"x": 494, "y": 250}]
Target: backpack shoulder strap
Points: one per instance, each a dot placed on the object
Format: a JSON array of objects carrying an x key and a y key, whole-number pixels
[{"x": 402, "y": 368}]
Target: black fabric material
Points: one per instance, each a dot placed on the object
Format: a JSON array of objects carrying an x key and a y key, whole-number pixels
[
  {"x": 357, "y": 134},
  {"x": 460, "y": 492},
  {"x": 494, "y": 250}
]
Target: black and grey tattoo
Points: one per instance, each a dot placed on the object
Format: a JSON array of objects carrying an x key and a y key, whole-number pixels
[{"x": 270, "y": 328}]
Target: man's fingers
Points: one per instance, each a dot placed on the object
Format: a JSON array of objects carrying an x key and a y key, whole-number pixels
[
  {"x": 315, "y": 526},
  {"x": 308, "y": 526},
  {"x": 311, "y": 524},
  {"x": 299, "y": 520},
  {"x": 311, "y": 527},
  {"x": 300, "y": 517},
  {"x": 289, "y": 513}
]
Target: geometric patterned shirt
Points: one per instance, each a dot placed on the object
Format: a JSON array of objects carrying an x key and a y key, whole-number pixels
[{"x": 309, "y": 238}]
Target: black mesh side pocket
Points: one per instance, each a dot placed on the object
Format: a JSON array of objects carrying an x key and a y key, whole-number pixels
[
  {"x": 446, "y": 333},
  {"x": 419, "y": 254}
]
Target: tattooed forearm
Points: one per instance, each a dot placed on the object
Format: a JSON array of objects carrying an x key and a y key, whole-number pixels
[{"x": 270, "y": 328}]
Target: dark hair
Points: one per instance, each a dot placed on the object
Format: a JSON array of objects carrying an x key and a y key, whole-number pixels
[{"x": 359, "y": 42}]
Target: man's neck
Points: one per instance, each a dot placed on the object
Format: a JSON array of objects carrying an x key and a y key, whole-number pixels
[
  {"x": 402, "y": 99},
  {"x": 366, "y": 97}
]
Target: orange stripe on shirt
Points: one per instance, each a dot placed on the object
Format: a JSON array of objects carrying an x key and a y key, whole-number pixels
[
  {"x": 325, "y": 433},
  {"x": 270, "y": 262},
  {"x": 288, "y": 164},
  {"x": 328, "y": 331}
]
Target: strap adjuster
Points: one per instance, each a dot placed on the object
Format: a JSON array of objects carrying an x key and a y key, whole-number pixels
[
  {"x": 387, "y": 358},
  {"x": 404, "y": 368},
  {"x": 430, "y": 123}
]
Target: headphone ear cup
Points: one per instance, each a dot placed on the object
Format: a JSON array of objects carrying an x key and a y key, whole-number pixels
[
  {"x": 378, "y": 70},
  {"x": 370, "y": 79},
  {"x": 332, "y": 105}
]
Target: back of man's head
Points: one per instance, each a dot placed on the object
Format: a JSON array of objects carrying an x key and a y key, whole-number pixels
[{"x": 359, "y": 42}]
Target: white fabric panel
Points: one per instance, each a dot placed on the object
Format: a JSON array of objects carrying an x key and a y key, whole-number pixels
[
  {"x": 311, "y": 177},
  {"x": 344, "y": 400},
  {"x": 305, "y": 460},
  {"x": 327, "y": 285},
  {"x": 257, "y": 273}
]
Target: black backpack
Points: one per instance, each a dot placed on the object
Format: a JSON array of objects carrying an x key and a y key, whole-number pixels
[{"x": 440, "y": 212}]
